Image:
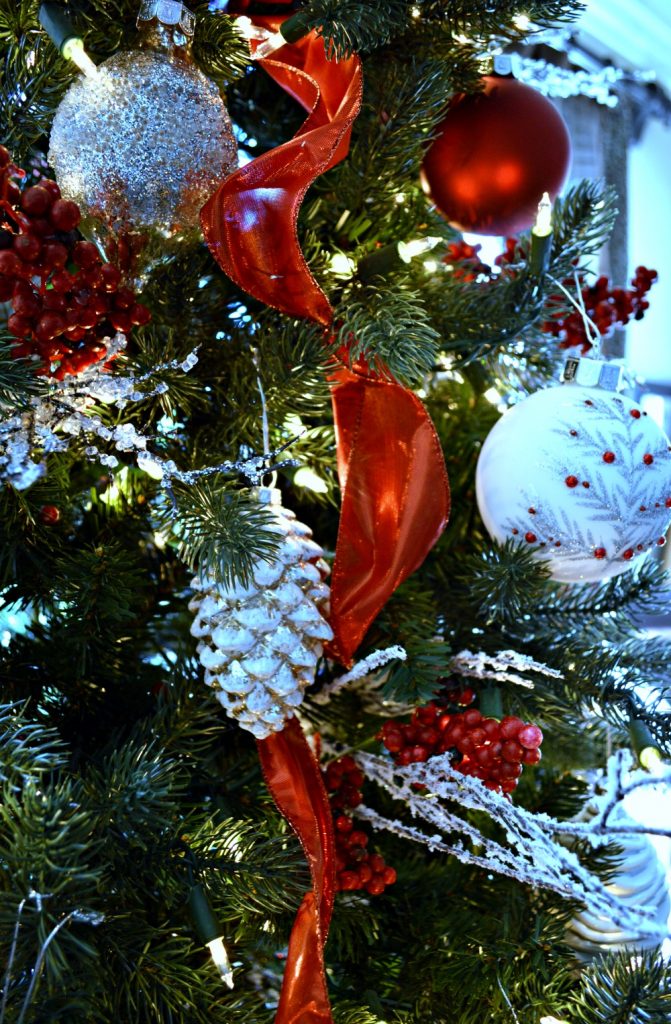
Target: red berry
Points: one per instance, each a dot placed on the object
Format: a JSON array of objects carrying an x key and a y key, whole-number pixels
[
  {"x": 467, "y": 696},
  {"x": 36, "y": 200},
  {"x": 85, "y": 255},
  {"x": 510, "y": 726},
  {"x": 484, "y": 756},
  {"x": 54, "y": 301},
  {"x": 530, "y": 737},
  {"x": 55, "y": 255},
  {"x": 471, "y": 717},
  {"x": 5, "y": 156},
  {"x": 511, "y": 751},
  {"x": 628, "y": 554},
  {"x": 404, "y": 757},
  {"x": 428, "y": 736},
  {"x": 375, "y": 887},
  {"x": 349, "y": 880},
  {"x": 492, "y": 728},
  {"x": 420, "y": 753},
  {"x": 393, "y": 740},
  {"x": 571, "y": 481},
  {"x": 10, "y": 264},
  {"x": 64, "y": 215},
  {"x": 530, "y": 537},
  {"x": 531, "y": 756},
  {"x": 51, "y": 187},
  {"x": 344, "y": 824},
  {"x": 377, "y": 863},
  {"x": 139, "y": 315},
  {"x": 364, "y": 873},
  {"x": 27, "y": 305},
  {"x": 50, "y": 514},
  {"x": 6, "y": 288},
  {"x": 358, "y": 838},
  {"x": 49, "y": 326},
  {"x": 19, "y": 326},
  {"x": 27, "y": 248},
  {"x": 111, "y": 277}
]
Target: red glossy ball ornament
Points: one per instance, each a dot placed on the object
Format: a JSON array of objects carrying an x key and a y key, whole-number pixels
[{"x": 496, "y": 153}]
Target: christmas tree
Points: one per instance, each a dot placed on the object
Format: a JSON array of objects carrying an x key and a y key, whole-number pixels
[{"x": 241, "y": 350}]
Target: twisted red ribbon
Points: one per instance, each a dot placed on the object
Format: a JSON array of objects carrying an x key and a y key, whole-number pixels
[
  {"x": 249, "y": 223},
  {"x": 392, "y": 475},
  {"x": 294, "y": 779}
]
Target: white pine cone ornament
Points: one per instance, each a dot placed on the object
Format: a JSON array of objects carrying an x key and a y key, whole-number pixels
[
  {"x": 640, "y": 882},
  {"x": 259, "y": 644}
]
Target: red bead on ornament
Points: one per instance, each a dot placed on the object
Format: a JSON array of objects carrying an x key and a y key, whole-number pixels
[{"x": 495, "y": 155}]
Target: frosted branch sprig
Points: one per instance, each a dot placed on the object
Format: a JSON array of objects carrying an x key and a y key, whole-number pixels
[
  {"x": 480, "y": 665},
  {"x": 531, "y": 853}
]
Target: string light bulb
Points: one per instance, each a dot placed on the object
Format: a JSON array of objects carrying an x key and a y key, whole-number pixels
[
  {"x": 209, "y": 932},
  {"x": 541, "y": 238},
  {"x": 390, "y": 257},
  {"x": 65, "y": 38},
  {"x": 290, "y": 31}
]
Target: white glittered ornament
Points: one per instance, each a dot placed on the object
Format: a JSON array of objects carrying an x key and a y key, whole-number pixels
[
  {"x": 259, "y": 644},
  {"x": 580, "y": 474},
  {"x": 141, "y": 145},
  {"x": 640, "y": 881}
]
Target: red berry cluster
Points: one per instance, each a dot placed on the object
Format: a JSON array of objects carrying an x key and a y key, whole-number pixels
[
  {"x": 65, "y": 298},
  {"x": 465, "y": 261},
  {"x": 605, "y": 306},
  {"x": 489, "y": 750},
  {"x": 356, "y": 868}
]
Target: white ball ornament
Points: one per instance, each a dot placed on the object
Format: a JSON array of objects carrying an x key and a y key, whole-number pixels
[{"x": 580, "y": 474}]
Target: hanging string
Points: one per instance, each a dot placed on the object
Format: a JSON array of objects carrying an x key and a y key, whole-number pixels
[{"x": 591, "y": 330}]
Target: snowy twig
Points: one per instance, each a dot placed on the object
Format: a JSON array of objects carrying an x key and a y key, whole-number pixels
[
  {"x": 363, "y": 668},
  {"x": 530, "y": 852},
  {"x": 480, "y": 665}
]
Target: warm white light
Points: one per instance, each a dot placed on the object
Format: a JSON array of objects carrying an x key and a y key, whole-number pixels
[
  {"x": 250, "y": 31},
  {"x": 551, "y": 1020},
  {"x": 492, "y": 395},
  {"x": 399, "y": 198},
  {"x": 415, "y": 12},
  {"x": 306, "y": 477},
  {"x": 651, "y": 759},
  {"x": 418, "y": 246},
  {"x": 430, "y": 266},
  {"x": 220, "y": 957},
  {"x": 74, "y": 50},
  {"x": 543, "y": 225},
  {"x": 522, "y": 22},
  {"x": 268, "y": 47},
  {"x": 341, "y": 265}
]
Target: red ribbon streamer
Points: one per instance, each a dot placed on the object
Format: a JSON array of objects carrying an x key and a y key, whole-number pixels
[
  {"x": 249, "y": 223},
  {"x": 395, "y": 491},
  {"x": 395, "y": 499},
  {"x": 294, "y": 779}
]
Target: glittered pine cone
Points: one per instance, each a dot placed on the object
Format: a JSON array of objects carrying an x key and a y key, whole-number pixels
[{"x": 259, "y": 644}]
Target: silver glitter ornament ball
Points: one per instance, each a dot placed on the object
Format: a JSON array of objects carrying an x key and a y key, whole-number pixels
[{"x": 142, "y": 145}]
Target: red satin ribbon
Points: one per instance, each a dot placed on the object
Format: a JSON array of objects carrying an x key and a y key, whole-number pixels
[
  {"x": 249, "y": 223},
  {"x": 395, "y": 492},
  {"x": 395, "y": 499},
  {"x": 294, "y": 779}
]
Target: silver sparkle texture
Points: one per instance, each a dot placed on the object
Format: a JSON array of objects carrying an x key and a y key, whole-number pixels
[{"x": 142, "y": 146}]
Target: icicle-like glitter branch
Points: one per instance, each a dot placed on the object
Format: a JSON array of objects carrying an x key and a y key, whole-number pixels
[{"x": 531, "y": 854}]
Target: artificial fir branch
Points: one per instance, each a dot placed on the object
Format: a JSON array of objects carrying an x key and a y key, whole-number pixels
[{"x": 221, "y": 532}]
